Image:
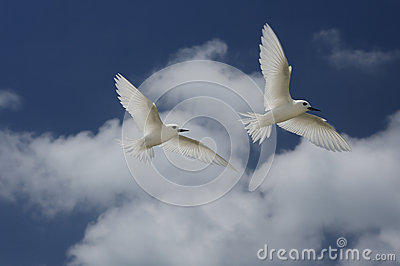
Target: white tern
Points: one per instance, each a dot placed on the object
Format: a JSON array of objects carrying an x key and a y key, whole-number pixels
[
  {"x": 280, "y": 108},
  {"x": 147, "y": 119}
]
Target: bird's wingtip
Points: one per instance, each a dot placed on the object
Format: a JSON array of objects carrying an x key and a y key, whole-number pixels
[{"x": 118, "y": 76}]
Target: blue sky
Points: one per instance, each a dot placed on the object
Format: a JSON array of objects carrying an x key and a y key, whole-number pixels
[
  {"x": 58, "y": 60},
  {"x": 70, "y": 50}
]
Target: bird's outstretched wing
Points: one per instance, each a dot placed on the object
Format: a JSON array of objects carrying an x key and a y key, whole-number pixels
[
  {"x": 275, "y": 69},
  {"x": 316, "y": 130},
  {"x": 195, "y": 149},
  {"x": 143, "y": 111}
]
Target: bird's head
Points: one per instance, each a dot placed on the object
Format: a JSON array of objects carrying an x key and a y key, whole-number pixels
[
  {"x": 305, "y": 105},
  {"x": 176, "y": 128}
]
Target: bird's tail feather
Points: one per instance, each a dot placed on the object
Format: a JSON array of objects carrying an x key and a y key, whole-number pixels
[
  {"x": 137, "y": 149},
  {"x": 253, "y": 127}
]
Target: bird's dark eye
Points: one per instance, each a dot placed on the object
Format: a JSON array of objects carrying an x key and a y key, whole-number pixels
[{"x": 304, "y": 104}]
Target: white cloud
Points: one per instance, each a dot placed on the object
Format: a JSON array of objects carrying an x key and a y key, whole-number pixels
[
  {"x": 341, "y": 55},
  {"x": 309, "y": 191},
  {"x": 204, "y": 76},
  {"x": 9, "y": 100},
  {"x": 219, "y": 94},
  {"x": 60, "y": 174},
  {"x": 212, "y": 50},
  {"x": 86, "y": 170}
]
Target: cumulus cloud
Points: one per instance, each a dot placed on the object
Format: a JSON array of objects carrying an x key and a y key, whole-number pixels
[
  {"x": 217, "y": 96},
  {"x": 212, "y": 50},
  {"x": 64, "y": 173},
  {"x": 341, "y": 55},
  {"x": 60, "y": 174},
  {"x": 309, "y": 194},
  {"x": 9, "y": 100},
  {"x": 84, "y": 171},
  {"x": 235, "y": 87}
]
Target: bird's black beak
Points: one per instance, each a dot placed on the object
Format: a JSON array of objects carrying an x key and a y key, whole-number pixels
[
  {"x": 313, "y": 109},
  {"x": 183, "y": 130}
]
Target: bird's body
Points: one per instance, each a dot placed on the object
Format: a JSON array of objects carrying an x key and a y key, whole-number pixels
[
  {"x": 280, "y": 113},
  {"x": 155, "y": 132},
  {"x": 157, "y": 137},
  {"x": 281, "y": 109}
]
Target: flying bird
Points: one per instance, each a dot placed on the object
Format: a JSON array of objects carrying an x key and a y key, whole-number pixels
[
  {"x": 155, "y": 133},
  {"x": 281, "y": 109}
]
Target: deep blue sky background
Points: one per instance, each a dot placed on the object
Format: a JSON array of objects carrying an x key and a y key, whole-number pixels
[{"x": 60, "y": 57}]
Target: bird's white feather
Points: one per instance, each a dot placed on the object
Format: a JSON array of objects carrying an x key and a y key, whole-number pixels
[
  {"x": 195, "y": 149},
  {"x": 253, "y": 127},
  {"x": 137, "y": 148},
  {"x": 275, "y": 69},
  {"x": 143, "y": 111},
  {"x": 316, "y": 130},
  {"x": 147, "y": 119}
]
